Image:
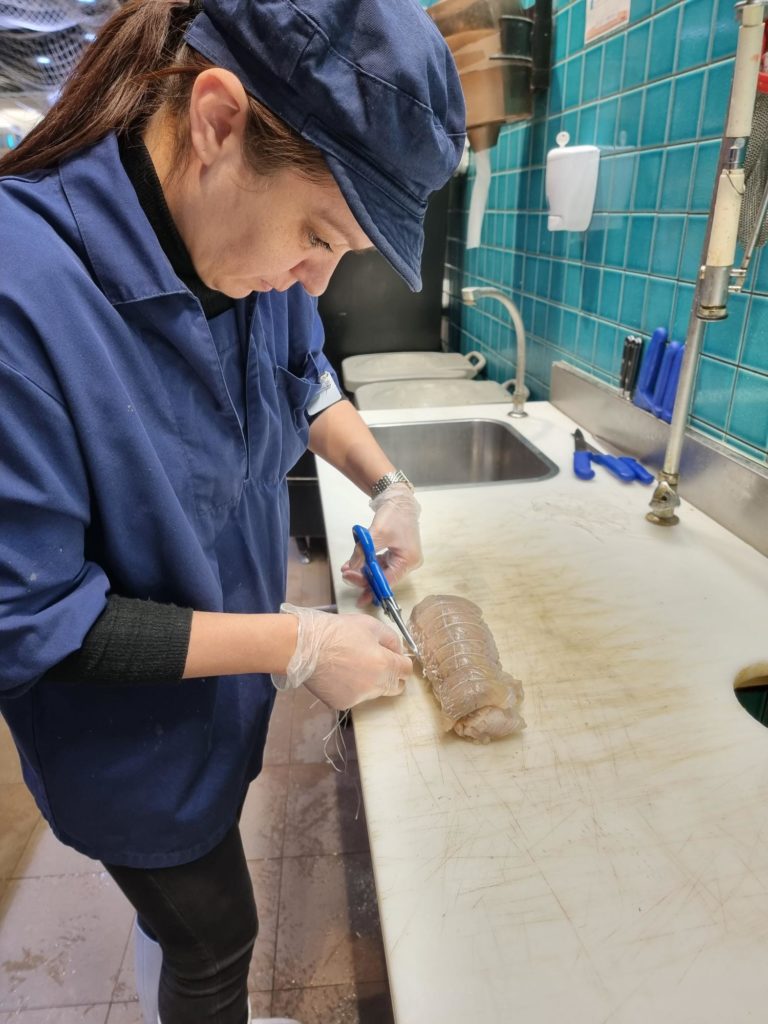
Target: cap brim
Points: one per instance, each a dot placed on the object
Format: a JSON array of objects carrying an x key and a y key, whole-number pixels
[{"x": 403, "y": 245}]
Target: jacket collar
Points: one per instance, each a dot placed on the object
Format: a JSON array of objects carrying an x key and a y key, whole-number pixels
[
  {"x": 122, "y": 247},
  {"x": 138, "y": 165}
]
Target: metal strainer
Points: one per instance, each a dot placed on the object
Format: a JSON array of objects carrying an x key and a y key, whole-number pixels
[{"x": 753, "y": 207}]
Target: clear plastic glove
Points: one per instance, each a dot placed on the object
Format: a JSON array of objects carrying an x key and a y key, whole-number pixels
[
  {"x": 395, "y": 527},
  {"x": 344, "y": 659}
]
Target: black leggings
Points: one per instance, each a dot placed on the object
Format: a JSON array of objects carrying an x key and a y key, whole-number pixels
[{"x": 203, "y": 914}]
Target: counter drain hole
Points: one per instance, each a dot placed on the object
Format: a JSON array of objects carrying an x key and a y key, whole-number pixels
[{"x": 751, "y": 686}]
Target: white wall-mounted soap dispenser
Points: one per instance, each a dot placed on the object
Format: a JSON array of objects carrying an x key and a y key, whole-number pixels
[{"x": 571, "y": 184}]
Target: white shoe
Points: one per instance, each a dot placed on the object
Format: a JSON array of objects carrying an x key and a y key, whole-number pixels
[
  {"x": 148, "y": 964},
  {"x": 269, "y": 1020}
]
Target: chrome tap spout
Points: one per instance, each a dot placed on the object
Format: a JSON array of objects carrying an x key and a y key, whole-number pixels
[{"x": 520, "y": 394}]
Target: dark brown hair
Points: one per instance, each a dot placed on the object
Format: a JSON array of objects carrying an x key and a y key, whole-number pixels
[{"x": 138, "y": 64}]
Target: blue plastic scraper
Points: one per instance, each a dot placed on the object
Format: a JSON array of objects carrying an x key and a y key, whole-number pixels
[{"x": 649, "y": 370}]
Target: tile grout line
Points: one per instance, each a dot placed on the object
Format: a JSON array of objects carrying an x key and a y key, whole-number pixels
[
  {"x": 12, "y": 873},
  {"x": 112, "y": 1000}
]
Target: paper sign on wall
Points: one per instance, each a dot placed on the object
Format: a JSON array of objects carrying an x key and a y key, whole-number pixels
[{"x": 604, "y": 16}]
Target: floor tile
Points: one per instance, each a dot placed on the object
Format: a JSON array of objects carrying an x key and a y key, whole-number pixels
[
  {"x": 329, "y": 931},
  {"x": 10, "y": 769},
  {"x": 324, "y": 813},
  {"x": 262, "y": 823},
  {"x": 18, "y": 818},
  {"x": 294, "y": 572},
  {"x": 124, "y": 990},
  {"x": 336, "y": 1004},
  {"x": 278, "y": 748},
  {"x": 309, "y": 584},
  {"x": 266, "y": 886},
  {"x": 61, "y": 942},
  {"x": 60, "y": 1015},
  {"x": 312, "y": 723},
  {"x": 346, "y": 736},
  {"x": 44, "y": 855},
  {"x": 124, "y": 1013}
]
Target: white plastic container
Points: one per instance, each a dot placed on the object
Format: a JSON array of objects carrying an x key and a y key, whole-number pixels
[
  {"x": 382, "y": 366},
  {"x": 428, "y": 394},
  {"x": 571, "y": 185}
]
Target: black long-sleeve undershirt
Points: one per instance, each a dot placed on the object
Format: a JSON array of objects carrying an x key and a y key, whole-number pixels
[{"x": 132, "y": 641}]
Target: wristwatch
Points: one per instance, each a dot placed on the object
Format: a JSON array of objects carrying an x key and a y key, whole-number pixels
[{"x": 397, "y": 477}]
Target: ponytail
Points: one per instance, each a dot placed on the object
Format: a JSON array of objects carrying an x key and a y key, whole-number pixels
[{"x": 139, "y": 63}]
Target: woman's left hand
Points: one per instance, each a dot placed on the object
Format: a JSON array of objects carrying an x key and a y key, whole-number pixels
[{"x": 395, "y": 527}]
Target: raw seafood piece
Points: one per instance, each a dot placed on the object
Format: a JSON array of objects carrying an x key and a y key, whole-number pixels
[{"x": 479, "y": 700}]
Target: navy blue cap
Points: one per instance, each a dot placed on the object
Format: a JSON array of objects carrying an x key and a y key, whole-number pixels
[{"x": 371, "y": 83}]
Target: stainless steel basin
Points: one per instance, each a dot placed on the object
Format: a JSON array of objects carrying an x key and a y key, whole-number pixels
[{"x": 454, "y": 453}]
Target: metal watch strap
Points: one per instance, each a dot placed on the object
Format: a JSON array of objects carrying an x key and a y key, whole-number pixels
[{"x": 398, "y": 477}]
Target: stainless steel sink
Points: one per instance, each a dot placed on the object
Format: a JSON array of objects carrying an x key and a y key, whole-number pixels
[{"x": 453, "y": 453}]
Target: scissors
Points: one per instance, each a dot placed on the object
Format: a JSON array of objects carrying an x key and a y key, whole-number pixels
[
  {"x": 623, "y": 466},
  {"x": 382, "y": 592}
]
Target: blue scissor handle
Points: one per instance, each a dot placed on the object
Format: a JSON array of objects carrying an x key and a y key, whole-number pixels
[
  {"x": 582, "y": 465},
  {"x": 372, "y": 571}
]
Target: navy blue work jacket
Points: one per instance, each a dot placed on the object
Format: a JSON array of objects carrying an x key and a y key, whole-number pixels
[{"x": 125, "y": 468}]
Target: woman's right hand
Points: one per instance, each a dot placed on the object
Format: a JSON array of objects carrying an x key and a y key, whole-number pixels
[{"x": 344, "y": 659}]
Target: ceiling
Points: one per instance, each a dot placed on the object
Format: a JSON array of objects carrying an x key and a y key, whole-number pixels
[{"x": 40, "y": 43}]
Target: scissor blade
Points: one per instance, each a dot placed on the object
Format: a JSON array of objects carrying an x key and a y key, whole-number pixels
[
  {"x": 579, "y": 442},
  {"x": 393, "y": 611},
  {"x": 582, "y": 457}
]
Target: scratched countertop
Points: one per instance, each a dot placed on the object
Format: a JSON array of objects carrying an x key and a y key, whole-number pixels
[{"x": 610, "y": 863}]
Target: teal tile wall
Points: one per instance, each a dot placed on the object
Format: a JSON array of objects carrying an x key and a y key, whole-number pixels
[{"x": 653, "y": 97}]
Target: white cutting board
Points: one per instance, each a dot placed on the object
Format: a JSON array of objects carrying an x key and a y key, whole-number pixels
[{"x": 611, "y": 864}]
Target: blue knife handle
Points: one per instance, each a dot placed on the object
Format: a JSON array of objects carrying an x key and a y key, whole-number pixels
[
  {"x": 614, "y": 465},
  {"x": 639, "y": 471},
  {"x": 582, "y": 467},
  {"x": 372, "y": 571}
]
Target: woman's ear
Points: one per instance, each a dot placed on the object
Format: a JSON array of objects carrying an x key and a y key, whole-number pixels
[{"x": 218, "y": 112}]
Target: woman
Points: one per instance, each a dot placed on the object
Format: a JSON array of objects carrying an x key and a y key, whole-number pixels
[{"x": 162, "y": 234}]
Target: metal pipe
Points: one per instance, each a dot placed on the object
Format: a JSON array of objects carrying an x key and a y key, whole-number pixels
[
  {"x": 665, "y": 497},
  {"x": 521, "y": 392},
  {"x": 719, "y": 250}
]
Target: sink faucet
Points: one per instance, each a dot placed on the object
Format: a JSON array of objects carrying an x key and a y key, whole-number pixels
[{"x": 521, "y": 392}]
